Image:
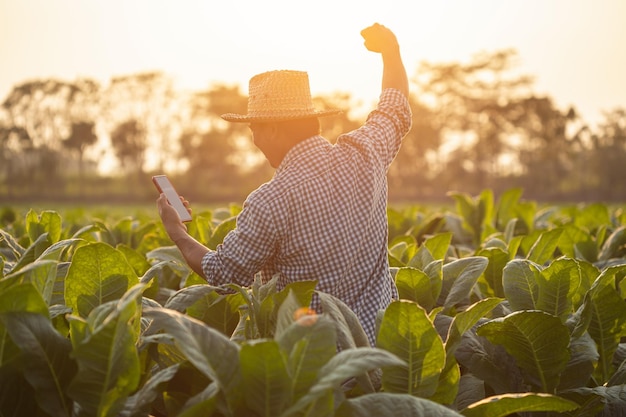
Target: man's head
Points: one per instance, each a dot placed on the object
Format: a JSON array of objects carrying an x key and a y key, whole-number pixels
[
  {"x": 280, "y": 112},
  {"x": 275, "y": 139}
]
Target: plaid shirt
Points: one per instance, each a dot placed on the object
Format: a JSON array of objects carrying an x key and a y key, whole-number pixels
[{"x": 323, "y": 217}]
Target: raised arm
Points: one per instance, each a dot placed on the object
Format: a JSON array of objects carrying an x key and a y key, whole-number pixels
[{"x": 380, "y": 39}]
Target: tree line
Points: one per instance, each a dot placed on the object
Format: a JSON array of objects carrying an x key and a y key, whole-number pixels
[{"x": 476, "y": 125}]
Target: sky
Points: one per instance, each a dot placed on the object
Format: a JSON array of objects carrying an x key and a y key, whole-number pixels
[{"x": 574, "y": 49}]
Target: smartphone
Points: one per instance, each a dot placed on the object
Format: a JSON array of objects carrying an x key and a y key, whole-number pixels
[{"x": 164, "y": 186}]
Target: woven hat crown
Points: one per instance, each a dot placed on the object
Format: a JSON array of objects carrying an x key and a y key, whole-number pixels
[{"x": 279, "y": 95}]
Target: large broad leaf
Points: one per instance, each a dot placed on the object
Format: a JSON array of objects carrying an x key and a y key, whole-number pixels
[
  {"x": 387, "y": 404},
  {"x": 42, "y": 274},
  {"x": 520, "y": 280},
  {"x": 309, "y": 344},
  {"x": 607, "y": 324},
  {"x": 45, "y": 357},
  {"x": 16, "y": 297},
  {"x": 47, "y": 222},
  {"x": 614, "y": 245},
  {"x": 543, "y": 249},
  {"x": 346, "y": 364},
  {"x": 558, "y": 284},
  {"x": 266, "y": 382},
  {"x": 477, "y": 213},
  {"x": 600, "y": 400},
  {"x": 493, "y": 272},
  {"x": 538, "y": 341},
  {"x": 350, "y": 333},
  {"x": 415, "y": 285},
  {"x": 139, "y": 404},
  {"x": 98, "y": 273},
  {"x": 509, "y": 404},
  {"x": 459, "y": 277},
  {"x": 449, "y": 380},
  {"x": 105, "y": 350},
  {"x": 407, "y": 332},
  {"x": 572, "y": 236},
  {"x": 204, "y": 303},
  {"x": 16, "y": 394},
  {"x": 33, "y": 252},
  {"x": 439, "y": 244},
  {"x": 199, "y": 343},
  {"x": 584, "y": 357}
]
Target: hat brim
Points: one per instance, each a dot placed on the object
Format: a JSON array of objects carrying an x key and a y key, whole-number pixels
[{"x": 278, "y": 117}]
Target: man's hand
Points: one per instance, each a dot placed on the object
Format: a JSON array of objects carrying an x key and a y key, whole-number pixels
[
  {"x": 173, "y": 226},
  {"x": 380, "y": 39}
]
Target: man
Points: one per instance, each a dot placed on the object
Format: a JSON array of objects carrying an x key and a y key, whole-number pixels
[{"x": 323, "y": 215}]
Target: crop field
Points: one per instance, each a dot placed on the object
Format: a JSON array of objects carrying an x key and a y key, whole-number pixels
[{"x": 507, "y": 308}]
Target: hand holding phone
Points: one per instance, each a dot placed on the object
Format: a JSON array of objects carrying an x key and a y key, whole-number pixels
[{"x": 164, "y": 186}]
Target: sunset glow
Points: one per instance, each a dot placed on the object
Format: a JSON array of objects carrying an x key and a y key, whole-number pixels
[{"x": 572, "y": 49}]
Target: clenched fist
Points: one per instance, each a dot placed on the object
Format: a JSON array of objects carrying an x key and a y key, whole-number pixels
[{"x": 380, "y": 39}]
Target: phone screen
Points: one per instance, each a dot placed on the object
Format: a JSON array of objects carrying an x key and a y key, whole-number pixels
[{"x": 164, "y": 185}]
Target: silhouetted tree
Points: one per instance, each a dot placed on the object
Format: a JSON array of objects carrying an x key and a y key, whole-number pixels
[
  {"x": 150, "y": 99},
  {"x": 545, "y": 151},
  {"x": 80, "y": 138},
  {"x": 475, "y": 105},
  {"x": 129, "y": 143},
  {"x": 609, "y": 155}
]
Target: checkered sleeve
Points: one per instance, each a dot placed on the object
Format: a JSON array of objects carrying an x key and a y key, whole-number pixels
[
  {"x": 381, "y": 136},
  {"x": 244, "y": 250}
]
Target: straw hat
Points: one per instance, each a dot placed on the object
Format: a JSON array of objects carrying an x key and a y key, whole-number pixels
[{"x": 279, "y": 95}]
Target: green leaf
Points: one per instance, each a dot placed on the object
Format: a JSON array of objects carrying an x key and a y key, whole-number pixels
[
  {"x": 104, "y": 346},
  {"x": 558, "y": 285},
  {"x": 346, "y": 364},
  {"x": 465, "y": 320},
  {"x": 287, "y": 311},
  {"x": 592, "y": 216},
  {"x": 459, "y": 277},
  {"x": 543, "y": 249},
  {"x": 388, "y": 404},
  {"x": 498, "y": 258},
  {"x": 407, "y": 332},
  {"x": 265, "y": 379},
  {"x": 415, "y": 285},
  {"x": 309, "y": 345},
  {"x": 140, "y": 403},
  {"x": 135, "y": 259},
  {"x": 21, "y": 297},
  {"x": 42, "y": 274},
  {"x": 448, "y": 385},
  {"x": 608, "y": 319},
  {"x": 99, "y": 273},
  {"x": 438, "y": 245},
  {"x": 199, "y": 343},
  {"x": 584, "y": 357},
  {"x": 571, "y": 237},
  {"x": 520, "y": 282},
  {"x": 509, "y": 404},
  {"x": 538, "y": 341},
  {"x": 350, "y": 333},
  {"x": 507, "y": 205},
  {"x": 46, "y": 359},
  {"x": 613, "y": 247},
  {"x": 34, "y": 251},
  {"x": 47, "y": 222}
]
